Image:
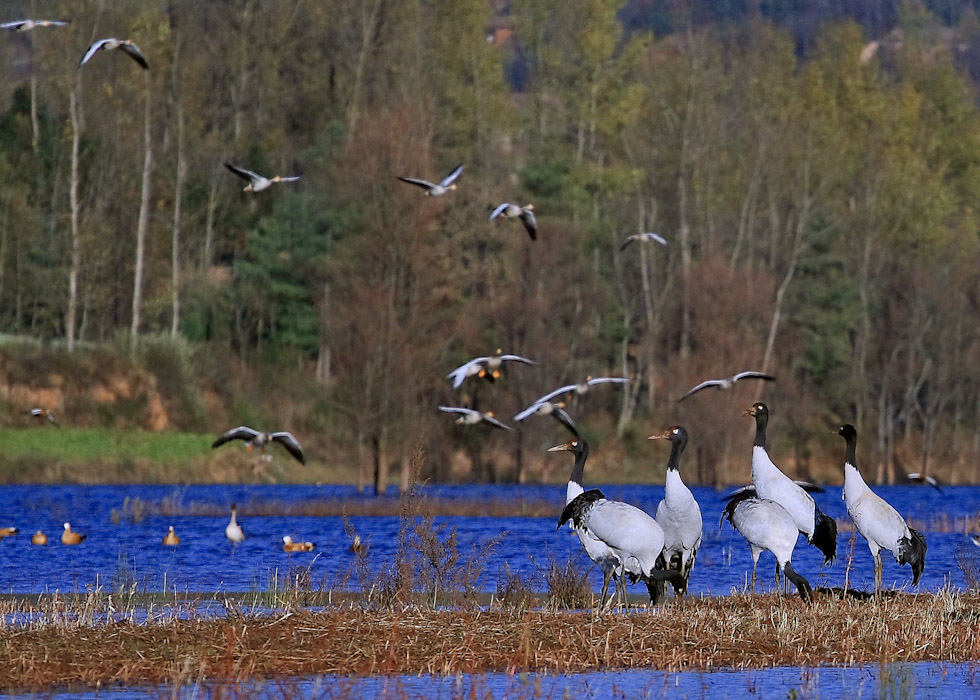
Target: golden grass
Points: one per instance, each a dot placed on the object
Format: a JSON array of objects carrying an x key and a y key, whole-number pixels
[{"x": 740, "y": 631}]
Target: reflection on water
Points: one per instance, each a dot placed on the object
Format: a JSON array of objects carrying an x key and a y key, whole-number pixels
[
  {"x": 922, "y": 681},
  {"x": 130, "y": 553}
]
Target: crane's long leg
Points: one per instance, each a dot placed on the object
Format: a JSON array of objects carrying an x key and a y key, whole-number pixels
[
  {"x": 878, "y": 568},
  {"x": 606, "y": 578},
  {"x": 621, "y": 586},
  {"x": 755, "y": 563}
]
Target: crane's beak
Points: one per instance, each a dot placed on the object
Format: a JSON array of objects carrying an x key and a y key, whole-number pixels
[
  {"x": 564, "y": 447},
  {"x": 749, "y": 411},
  {"x": 660, "y": 436}
]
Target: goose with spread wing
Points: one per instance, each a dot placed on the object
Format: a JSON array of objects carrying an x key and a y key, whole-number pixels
[
  {"x": 726, "y": 383},
  {"x": 124, "y": 45},
  {"x": 258, "y": 440},
  {"x": 643, "y": 238},
  {"x": 26, "y": 25},
  {"x": 256, "y": 182},
  {"x": 469, "y": 416},
  {"x": 436, "y": 189},
  {"x": 487, "y": 367},
  {"x": 525, "y": 214}
]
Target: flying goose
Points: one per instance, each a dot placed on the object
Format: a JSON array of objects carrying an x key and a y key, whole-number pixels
[
  {"x": 124, "y": 45},
  {"x": 486, "y": 367},
  {"x": 549, "y": 408},
  {"x": 42, "y": 414},
  {"x": 436, "y": 189},
  {"x": 727, "y": 382},
  {"x": 469, "y": 416},
  {"x": 581, "y": 388},
  {"x": 26, "y": 25},
  {"x": 258, "y": 440},
  {"x": 256, "y": 182},
  {"x": 644, "y": 237},
  {"x": 917, "y": 478},
  {"x": 289, "y": 546},
  {"x": 525, "y": 214}
]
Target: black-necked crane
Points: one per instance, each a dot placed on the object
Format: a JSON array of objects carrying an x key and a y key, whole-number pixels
[
  {"x": 633, "y": 536},
  {"x": 772, "y": 484},
  {"x": 726, "y": 382},
  {"x": 257, "y": 440},
  {"x": 767, "y": 527},
  {"x": 678, "y": 514},
  {"x": 599, "y": 552},
  {"x": 876, "y": 520},
  {"x": 486, "y": 367}
]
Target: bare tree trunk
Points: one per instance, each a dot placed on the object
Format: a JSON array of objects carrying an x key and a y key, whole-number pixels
[
  {"x": 175, "y": 242},
  {"x": 370, "y": 20},
  {"x": 35, "y": 125},
  {"x": 143, "y": 221},
  {"x": 76, "y": 245},
  {"x": 206, "y": 256}
]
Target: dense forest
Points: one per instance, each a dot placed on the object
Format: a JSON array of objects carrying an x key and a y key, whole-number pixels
[{"x": 816, "y": 176}]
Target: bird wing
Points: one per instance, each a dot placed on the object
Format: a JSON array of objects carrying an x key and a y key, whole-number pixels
[
  {"x": 703, "y": 385},
  {"x": 557, "y": 392},
  {"x": 656, "y": 237},
  {"x": 459, "y": 374},
  {"x": 629, "y": 239},
  {"x": 133, "y": 51},
  {"x": 498, "y": 211},
  {"x": 291, "y": 178},
  {"x": 54, "y": 22},
  {"x": 289, "y": 441},
  {"x": 753, "y": 375},
  {"x": 518, "y": 358},
  {"x": 530, "y": 223},
  {"x": 454, "y": 409},
  {"x": 242, "y": 432},
  {"x": 496, "y": 423},
  {"x": 608, "y": 380},
  {"x": 562, "y": 417},
  {"x": 451, "y": 177},
  {"x": 91, "y": 51},
  {"x": 528, "y": 411},
  {"x": 243, "y": 173},
  {"x": 13, "y": 25},
  {"x": 420, "y": 183}
]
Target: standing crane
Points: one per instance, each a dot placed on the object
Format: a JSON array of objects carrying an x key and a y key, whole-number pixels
[
  {"x": 679, "y": 515},
  {"x": 772, "y": 484},
  {"x": 633, "y": 536},
  {"x": 876, "y": 520},
  {"x": 767, "y": 527}
]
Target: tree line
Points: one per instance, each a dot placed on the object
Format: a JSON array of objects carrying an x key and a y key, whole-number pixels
[{"x": 820, "y": 208}]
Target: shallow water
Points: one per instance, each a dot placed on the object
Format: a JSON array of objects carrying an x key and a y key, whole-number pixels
[
  {"x": 130, "y": 554},
  {"x": 922, "y": 680}
]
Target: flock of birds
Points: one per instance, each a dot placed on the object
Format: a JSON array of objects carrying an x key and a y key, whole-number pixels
[{"x": 626, "y": 543}]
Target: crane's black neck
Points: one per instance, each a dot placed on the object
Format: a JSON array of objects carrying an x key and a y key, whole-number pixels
[
  {"x": 676, "y": 448},
  {"x": 850, "y": 450},
  {"x": 761, "y": 421},
  {"x": 581, "y": 455}
]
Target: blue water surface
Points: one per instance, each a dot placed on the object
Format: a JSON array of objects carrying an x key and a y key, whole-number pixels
[{"x": 130, "y": 553}]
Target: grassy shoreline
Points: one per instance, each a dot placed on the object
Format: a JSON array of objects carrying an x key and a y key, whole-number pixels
[{"x": 740, "y": 631}]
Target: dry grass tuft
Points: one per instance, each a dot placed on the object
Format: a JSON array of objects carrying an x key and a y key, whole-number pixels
[{"x": 63, "y": 643}]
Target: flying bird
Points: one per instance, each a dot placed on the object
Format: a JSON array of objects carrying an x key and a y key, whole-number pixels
[
  {"x": 124, "y": 45},
  {"x": 469, "y": 416},
  {"x": 727, "y": 382},
  {"x": 772, "y": 484},
  {"x": 42, "y": 414},
  {"x": 289, "y": 546},
  {"x": 234, "y": 531},
  {"x": 26, "y": 25},
  {"x": 436, "y": 189},
  {"x": 525, "y": 214},
  {"x": 256, "y": 182},
  {"x": 767, "y": 526},
  {"x": 258, "y": 440},
  {"x": 876, "y": 520},
  {"x": 679, "y": 515},
  {"x": 917, "y": 478},
  {"x": 486, "y": 367},
  {"x": 549, "y": 408},
  {"x": 643, "y": 237},
  {"x": 581, "y": 388}
]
